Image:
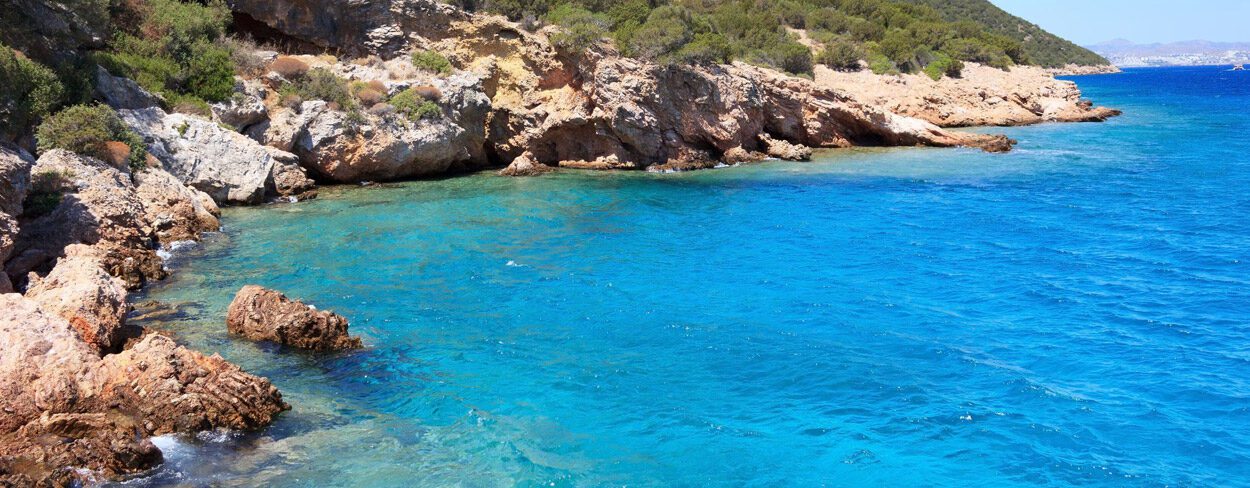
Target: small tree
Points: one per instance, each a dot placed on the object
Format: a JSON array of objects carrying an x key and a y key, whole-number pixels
[{"x": 28, "y": 91}]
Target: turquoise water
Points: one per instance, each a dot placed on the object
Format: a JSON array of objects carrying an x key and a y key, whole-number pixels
[{"x": 1073, "y": 313}]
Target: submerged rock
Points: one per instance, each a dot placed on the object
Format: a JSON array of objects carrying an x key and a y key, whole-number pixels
[{"x": 266, "y": 315}]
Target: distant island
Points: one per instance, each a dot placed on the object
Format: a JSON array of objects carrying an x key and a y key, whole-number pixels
[{"x": 1125, "y": 53}]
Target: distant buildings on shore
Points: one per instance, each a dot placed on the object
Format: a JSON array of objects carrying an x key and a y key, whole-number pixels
[{"x": 1126, "y": 54}]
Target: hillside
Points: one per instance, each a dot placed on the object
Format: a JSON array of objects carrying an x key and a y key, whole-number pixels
[
  {"x": 1041, "y": 47},
  {"x": 892, "y": 35}
]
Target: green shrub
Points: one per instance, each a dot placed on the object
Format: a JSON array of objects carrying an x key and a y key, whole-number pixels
[
  {"x": 86, "y": 130},
  {"x": 412, "y": 104},
  {"x": 881, "y": 65},
  {"x": 210, "y": 74},
  {"x": 706, "y": 48},
  {"x": 28, "y": 91},
  {"x": 944, "y": 66},
  {"x": 323, "y": 84},
  {"x": 841, "y": 55},
  {"x": 580, "y": 29},
  {"x": 431, "y": 61}
]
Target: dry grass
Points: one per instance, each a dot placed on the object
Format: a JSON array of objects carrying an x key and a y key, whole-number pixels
[
  {"x": 428, "y": 92},
  {"x": 116, "y": 153},
  {"x": 289, "y": 67}
]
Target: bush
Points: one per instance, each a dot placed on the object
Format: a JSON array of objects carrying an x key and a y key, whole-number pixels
[
  {"x": 412, "y": 104},
  {"x": 87, "y": 130},
  {"x": 944, "y": 66},
  {"x": 28, "y": 91},
  {"x": 323, "y": 84},
  {"x": 580, "y": 29},
  {"x": 841, "y": 56},
  {"x": 707, "y": 48},
  {"x": 289, "y": 67},
  {"x": 210, "y": 74},
  {"x": 881, "y": 65},
  {"x": 432, "y": 62},
  {"x": 370, "y": 97}
]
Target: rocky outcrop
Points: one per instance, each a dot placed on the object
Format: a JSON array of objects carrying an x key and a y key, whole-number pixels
[
  {"x": 175, "y": 212},
  {"x": 1077, "y": 70},
  {"x": 982, "y": 96},
  {"x": 353, "y": 28},
  {"x": 266, "y": 315},
  {"x": 122, "y": 93},
  {"x": 97, "y": 207},
  {"x": 15, "y": 167},
  {"x": 123, "y": 217},
  {"x": 65, "y": 406},
  {"x": 384, "y": 146},
  {"x": 222, "y": 163},
  {"x": 289, "y": 179},
  {"x": 245, "y": 108},
  {"x": 524, "y": 165},
  {"x": 79, "y": 291}
]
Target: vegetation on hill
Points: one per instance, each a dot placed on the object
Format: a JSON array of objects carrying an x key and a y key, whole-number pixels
[
  {"x": 1040, "y": 47},
  {"x": 930, "y": 36}
]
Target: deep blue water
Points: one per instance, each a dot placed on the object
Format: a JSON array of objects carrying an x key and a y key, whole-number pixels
[{"x": 1073, "y": 313}]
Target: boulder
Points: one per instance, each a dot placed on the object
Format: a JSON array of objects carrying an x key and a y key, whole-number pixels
[
  {"x": 785, "y": 150},
  {"x": 66, "y": 407},
  {"x": 123, "y": 93},
  {"x": 174, "y": 211},
  {"x": 81, "y": 292},
  {"x": 339, "y": 148},
  {"x": 245, "y": 108},
  {"x": 266, "y": 315},
  {"x": 222, "y": 163},
  {"x": 289, "y": 179},
  {"x": 524, "y": 165}
]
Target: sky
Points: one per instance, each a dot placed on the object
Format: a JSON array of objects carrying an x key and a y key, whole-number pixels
[{"x": 1141, "y": 21}]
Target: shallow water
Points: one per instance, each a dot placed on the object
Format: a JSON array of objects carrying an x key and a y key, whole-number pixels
[{"x": 1072, "y": 313}]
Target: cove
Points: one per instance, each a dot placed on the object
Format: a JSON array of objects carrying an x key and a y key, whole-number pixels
[{"x": 1072, "y": 313}]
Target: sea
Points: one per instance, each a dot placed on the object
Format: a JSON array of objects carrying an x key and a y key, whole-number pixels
[{"x": 1073, "y": 313}]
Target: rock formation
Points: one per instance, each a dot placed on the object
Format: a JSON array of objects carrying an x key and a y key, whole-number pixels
[
  {"x": 79, "y": 291},
  {"x": 224, "y": 164},
  {"x": 15, "y": 167},
  {"x": 592, "y": 109},
  {"x": 981, "y": 96},
  {"x": 67, "y": 407},
  {"x": 265, "y": 315}
]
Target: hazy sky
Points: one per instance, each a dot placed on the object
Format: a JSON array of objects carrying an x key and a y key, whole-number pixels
[{"x": 1092, "y": 21}]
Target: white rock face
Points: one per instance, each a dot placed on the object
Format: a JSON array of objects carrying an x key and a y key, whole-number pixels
[
  {"x": 222, "y": 163},
  {"x": 123, "y": 93},
  {"x": 245, "y": 108}
]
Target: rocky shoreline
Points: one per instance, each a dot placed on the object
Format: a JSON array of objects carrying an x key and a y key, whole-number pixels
[{"x": 84, "y": 392}]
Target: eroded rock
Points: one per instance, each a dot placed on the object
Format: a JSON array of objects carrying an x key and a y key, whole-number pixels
[
  {"x": 266, "y": 315},
  {"x": 81, "y": 292},
  {"x": 222, "y": 163}
]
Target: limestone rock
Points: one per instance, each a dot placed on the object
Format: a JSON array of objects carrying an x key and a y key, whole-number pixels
[
  {"x": 123, "y": 93},
  {"x": 174, "y": 211},
  {"x": 99, "y": 208},
  {"x": 289, "y": 179},
  {"x": 266, "y": 315},
  {"x": 354, "y": 28},
  {"x": 15, "y": 167},
  {"x": 524, "y": 165},
  {"x": 981, "y": 96},
  {"x": 245, "y": 108},
  {"x": 389, "y": 146},
  {"x": 65, "y": 406},
  {"x": 81, "y": 292},
  {"x": 222, "y": 163},
  {"x": 784, "y": 150}
]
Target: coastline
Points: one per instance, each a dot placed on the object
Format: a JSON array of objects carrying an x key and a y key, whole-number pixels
[{"x": 533, "y": 110}]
